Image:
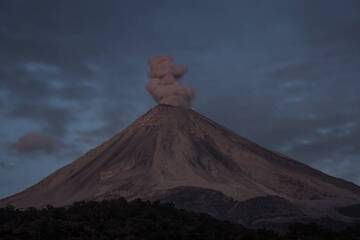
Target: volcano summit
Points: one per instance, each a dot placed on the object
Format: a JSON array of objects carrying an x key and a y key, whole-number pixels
[{"x": 173, "y": 153}]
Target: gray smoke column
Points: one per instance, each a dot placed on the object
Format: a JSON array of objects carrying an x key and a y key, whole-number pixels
[{"x": 164, "y": 84}]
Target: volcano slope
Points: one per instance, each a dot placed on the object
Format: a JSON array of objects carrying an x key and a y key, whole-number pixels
[{"x": 176, "y": 154}]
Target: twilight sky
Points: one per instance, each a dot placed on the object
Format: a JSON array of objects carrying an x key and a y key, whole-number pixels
[{"x": 283, "y": 73}]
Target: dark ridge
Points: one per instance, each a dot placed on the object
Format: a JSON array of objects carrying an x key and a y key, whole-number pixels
[
  {"x": 351, "y": 211},
  {"x": 265, "y": 208},
  {"x": 223, "y": 207},
  {"x": 199, "y": 200}
]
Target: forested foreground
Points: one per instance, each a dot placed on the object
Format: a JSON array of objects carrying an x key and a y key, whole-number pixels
[{"x": 119, "y": 219}]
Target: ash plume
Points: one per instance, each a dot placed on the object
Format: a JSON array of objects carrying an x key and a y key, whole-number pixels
[{"x": 164, "y": 82}]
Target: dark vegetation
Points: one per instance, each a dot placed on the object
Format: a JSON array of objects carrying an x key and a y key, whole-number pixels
[{"x": 119, "y": 219}]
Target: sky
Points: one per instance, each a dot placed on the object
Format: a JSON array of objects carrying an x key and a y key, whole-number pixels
[{"x": 283, "y": 73}]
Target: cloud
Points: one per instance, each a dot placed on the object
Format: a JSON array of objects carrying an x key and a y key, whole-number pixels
[
  {"x": 2, "y": 165},
  {"x": 164, "y": 83},
  {"x": 291, "y": 72},
  {"x": 35, "y": 142},
  {"x": 35, "y": 67},
  {"x": 54, "y": 119}
]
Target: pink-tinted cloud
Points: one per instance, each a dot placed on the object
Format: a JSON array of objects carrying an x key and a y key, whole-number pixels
[{"x": 35, "y": 142}]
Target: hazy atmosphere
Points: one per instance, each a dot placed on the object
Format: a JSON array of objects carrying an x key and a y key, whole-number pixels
[{"x": 285, "y": 74}]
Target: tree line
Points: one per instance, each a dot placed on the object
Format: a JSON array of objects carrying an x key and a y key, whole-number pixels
[{"x": 135, "y": 220}]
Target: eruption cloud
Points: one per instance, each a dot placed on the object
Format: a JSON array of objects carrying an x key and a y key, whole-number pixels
[{"x": 164, "y": 84}]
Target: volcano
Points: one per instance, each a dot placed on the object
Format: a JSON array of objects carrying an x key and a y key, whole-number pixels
[{"x": 175, "y": 154}]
